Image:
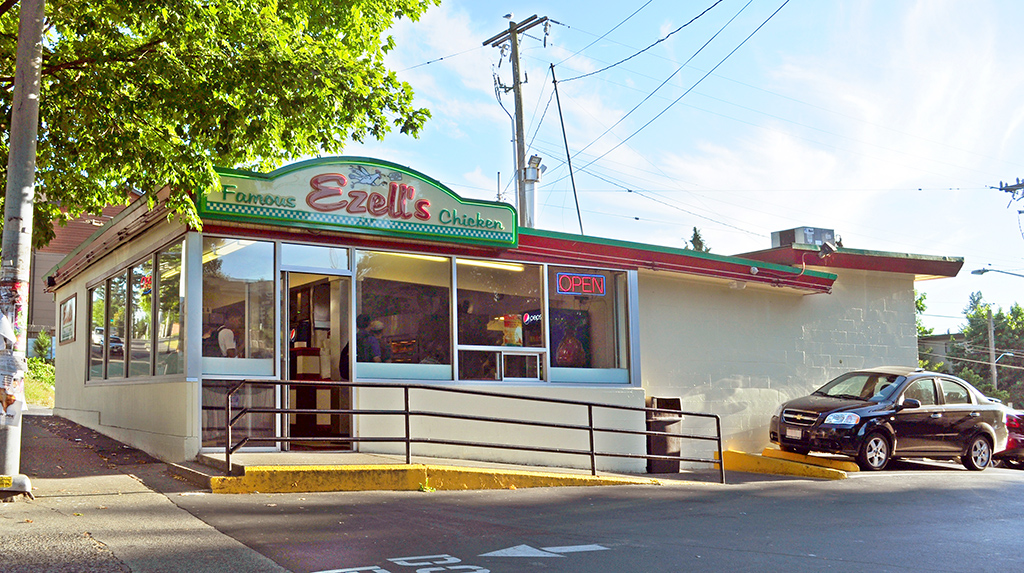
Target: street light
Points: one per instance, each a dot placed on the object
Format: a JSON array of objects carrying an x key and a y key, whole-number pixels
[
  {"x": 991, "y": 329},
  {"x": 983, "y": 271}
]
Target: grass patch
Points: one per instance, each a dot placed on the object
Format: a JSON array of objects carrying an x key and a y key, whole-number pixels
[{"x": 39, "y": 383}]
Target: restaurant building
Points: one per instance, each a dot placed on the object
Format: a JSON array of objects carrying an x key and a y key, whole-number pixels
[{"x": 299, "y": 267}]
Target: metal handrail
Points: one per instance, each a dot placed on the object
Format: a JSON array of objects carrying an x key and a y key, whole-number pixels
[{"x": 408, "y": 413}]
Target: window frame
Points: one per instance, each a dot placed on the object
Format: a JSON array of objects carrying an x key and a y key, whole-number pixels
[{"x": 104, "y": 283}]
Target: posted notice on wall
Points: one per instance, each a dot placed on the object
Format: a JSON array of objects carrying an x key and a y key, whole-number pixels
[{"x": 12, "y": 387}]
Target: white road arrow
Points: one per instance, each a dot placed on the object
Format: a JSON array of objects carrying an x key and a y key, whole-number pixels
[{"x": 527, "y": 551}]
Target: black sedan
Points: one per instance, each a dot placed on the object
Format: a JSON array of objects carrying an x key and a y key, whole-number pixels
[{"x": 877, "y": 414}]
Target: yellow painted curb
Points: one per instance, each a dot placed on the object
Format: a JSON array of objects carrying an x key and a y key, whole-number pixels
[
  {"x": 451, "y": 478},
  {"x": 753, "y": 463},
  {"x": 400, "y": 477},
  {"x": 295, "y": 479},
  {"x": 836, "y": 464}
]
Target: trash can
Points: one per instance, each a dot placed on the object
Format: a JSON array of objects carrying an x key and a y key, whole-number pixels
[{"x": 667, "y": 422}]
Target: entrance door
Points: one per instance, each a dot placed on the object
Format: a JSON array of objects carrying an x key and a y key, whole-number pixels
[{"x": 317, "y": 336}]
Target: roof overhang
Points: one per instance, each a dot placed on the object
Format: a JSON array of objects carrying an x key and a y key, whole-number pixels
[
  {"x": 923, "y": 267},
  {"x": 561, "y": 248},
  {"x": 122, "y": 228}
]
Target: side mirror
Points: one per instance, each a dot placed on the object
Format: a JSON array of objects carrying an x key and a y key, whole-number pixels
[{"x": 910, "y": 403}]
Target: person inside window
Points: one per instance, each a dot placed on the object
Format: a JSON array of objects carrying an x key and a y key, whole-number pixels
[
  {"x": 367, "y": 342},
  {"x": 377, "y": 331},
  {"x": 229, "y": 336}
]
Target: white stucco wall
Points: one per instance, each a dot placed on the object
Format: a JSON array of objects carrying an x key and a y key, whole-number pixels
[
  {"x": 158, "y": 415},
  {"x": 741, "y": 353}
]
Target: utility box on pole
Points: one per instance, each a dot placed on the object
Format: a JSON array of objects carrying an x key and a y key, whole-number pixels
[{"x": 512, "y": 35}]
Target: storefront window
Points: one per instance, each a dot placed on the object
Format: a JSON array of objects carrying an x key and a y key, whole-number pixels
[
  {"x": 122, "y": 315},
  {"x": 117, "y": 319},
  {"x": 97, "y": 330},
  {"x": 499, "y": 304},
  {"x": 238, "y": 304},
  {"x": 403, "y": 301},
  {"x": 587, "y": 311},
  {"x": 314, "y": 257},
  {"x": 169, "y": 345},
  {"x": 140, "y": 341}
]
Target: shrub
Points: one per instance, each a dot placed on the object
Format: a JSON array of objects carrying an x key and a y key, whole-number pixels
[{"x": 39, "y": 382}]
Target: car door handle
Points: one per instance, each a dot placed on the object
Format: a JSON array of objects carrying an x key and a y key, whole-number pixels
[
  {"x": 936, "y": 415},
  {"x": 975, "y": 414}
]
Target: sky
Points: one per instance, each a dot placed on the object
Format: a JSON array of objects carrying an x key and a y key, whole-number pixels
[{"x": 893, "y": 123}]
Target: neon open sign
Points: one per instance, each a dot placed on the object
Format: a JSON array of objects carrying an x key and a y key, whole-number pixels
[{"x": 579, "y": 284}]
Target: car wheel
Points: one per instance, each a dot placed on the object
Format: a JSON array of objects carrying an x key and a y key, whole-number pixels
[
  {"x": 979, "y": 454},
  {"x": 791, "y": 449},
  {"x": 874, "y": 452}
]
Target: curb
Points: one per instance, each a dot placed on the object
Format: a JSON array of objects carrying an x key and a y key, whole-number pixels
[
  {"x": 399, "y": 477},
  {"x": 753, "y": 463},
  {"x": 834, "y": 463}
]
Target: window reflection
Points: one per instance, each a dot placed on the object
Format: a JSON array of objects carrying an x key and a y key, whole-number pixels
[
  {"x": 117, "y": 319},
  {"x": 170, "y": 343},
  {"x": 238, "y": 298},
  {"x": 97, "y": 331},
  {"x": 403, "y": 302},
  {"x": 140, "y": 343}
]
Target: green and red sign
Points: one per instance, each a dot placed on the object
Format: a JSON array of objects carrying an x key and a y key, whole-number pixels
[{"x": 362, "y": 195}]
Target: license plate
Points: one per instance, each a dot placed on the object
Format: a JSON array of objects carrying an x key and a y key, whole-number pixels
[
  {"x": 6, "y": 481},
  {"x": 794, "y": 433}
]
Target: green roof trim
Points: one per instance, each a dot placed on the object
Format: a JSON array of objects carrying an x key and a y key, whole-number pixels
[
  {"x": 881, "y": 254},
  {"x": 677, "y": 252}
]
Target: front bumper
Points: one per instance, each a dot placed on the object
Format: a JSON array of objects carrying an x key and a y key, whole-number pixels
[{"x": 816, "y": 438}]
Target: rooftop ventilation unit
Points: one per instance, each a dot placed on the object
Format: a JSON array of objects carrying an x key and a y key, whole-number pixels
[{"x": 802, "y": 236}]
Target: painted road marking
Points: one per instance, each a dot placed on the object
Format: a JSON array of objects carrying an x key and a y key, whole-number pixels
[
  {"x": 448, "y": 562},
  {"x": 527, "y": 551}
]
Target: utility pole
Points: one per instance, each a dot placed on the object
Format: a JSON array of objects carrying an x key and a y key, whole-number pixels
[
  {"x": 16, "y": 248},
  {"x": 992, "y": 350},
  {"x": 512, "y": 35}
]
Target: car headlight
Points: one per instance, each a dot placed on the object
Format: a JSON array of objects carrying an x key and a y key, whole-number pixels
[{"x": 842, "y": 418}]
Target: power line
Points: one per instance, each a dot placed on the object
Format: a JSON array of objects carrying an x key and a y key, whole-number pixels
[
  {"x": 708, "y": 9},
  {"x": 945, "y": 144},
  {"x": 727, "y": 56},
  {"x": 662, "y": 84},
  {"x": 441, "y": 58},
  {"x": 985, "y": 362},
  {"x": 603, "y": 36}
]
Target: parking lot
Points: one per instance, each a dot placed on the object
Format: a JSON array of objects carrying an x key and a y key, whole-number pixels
[{"x": 916, "y": 516}]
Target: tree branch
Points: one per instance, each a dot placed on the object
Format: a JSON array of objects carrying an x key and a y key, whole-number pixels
[
  {"x": 133, "y": 56},
  {"x": 6, "y": 6}
]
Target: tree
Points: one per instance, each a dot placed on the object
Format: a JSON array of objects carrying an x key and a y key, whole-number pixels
[
  {"x": 924, "y": 356},
  {"x": 974, "y": 362},
  {"x": 696, "y": 243},
  {"x": 43, "y": 345},
  {"x": 139, "y": 94}
]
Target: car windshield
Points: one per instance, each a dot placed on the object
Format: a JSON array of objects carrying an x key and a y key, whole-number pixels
[{"x": 862, "y": 386}]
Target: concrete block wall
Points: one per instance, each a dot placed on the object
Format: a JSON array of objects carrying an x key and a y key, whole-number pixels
[{"x": 741, "y": 353}]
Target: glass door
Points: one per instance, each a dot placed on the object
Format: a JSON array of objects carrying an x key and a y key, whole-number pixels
[{"x": 317, "y": 332}]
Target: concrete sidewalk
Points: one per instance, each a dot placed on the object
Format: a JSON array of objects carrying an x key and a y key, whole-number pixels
[{"x": 103, "y": 507}]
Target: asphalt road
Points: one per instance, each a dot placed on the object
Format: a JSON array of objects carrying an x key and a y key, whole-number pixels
[{"x": 913, "y": 517}]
